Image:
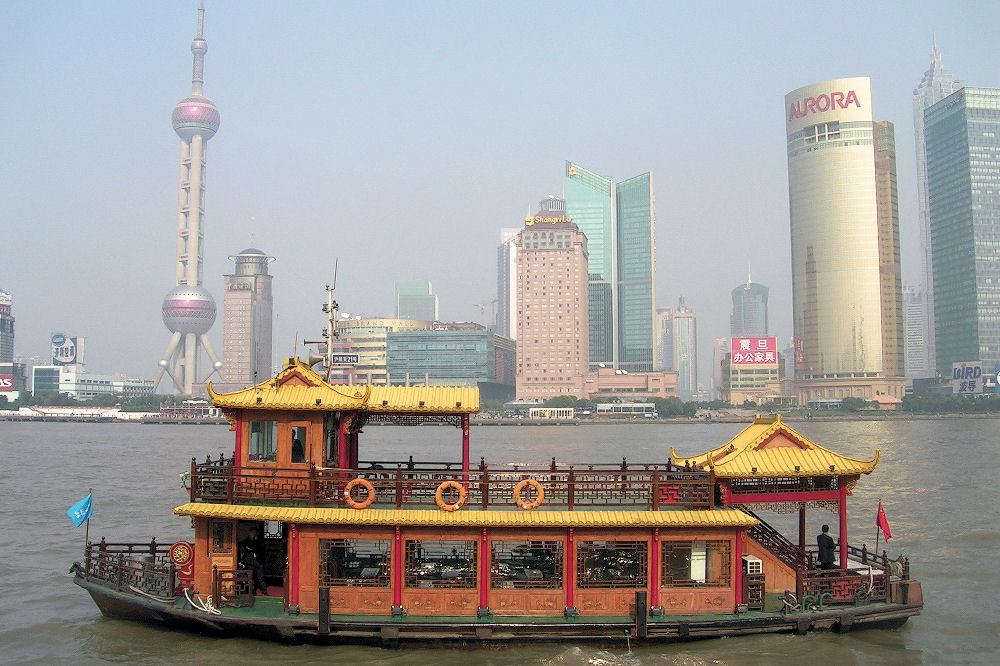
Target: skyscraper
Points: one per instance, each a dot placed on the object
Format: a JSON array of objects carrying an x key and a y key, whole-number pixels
[
  {"x": 189, "y": 309},
  {"x": 914, "y": 329},
  {"x": 507, "y": 283},
  {"x": 552, "y": 308},
  {"x": 963, "y": 178},
  {"x": 749, "y": 316},
  {"x": 680, "y": 346},
  {"x": 416, "y": 300},
  {"x": 619, "y": 223},
  {"x": 6, "y": 328},
  {"x": 246, "y": 321},
  {"x": 937, "y": 84},
  {"x": 846, "y": 292}
]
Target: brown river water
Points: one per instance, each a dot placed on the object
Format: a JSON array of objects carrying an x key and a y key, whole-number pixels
[{"x": 937, "y": 479}]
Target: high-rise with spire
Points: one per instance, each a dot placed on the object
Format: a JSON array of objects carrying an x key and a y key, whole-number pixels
[
  {"x": 937, "y": 84},
  {"x": 189, "y": 309}
]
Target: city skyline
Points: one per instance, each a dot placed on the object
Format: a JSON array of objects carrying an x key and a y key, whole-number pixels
[{"x": 393, "y": 184}]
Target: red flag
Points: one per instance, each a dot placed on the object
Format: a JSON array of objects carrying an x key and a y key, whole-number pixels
[{"x": 883, "y": 523}]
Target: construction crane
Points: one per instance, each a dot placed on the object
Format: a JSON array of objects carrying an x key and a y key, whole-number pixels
[{"x": 482, "y": 310}]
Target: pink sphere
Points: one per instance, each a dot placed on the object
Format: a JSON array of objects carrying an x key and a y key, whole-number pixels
[
  {"x": 189, "y": 309},
  {"x": 195, "y": 115}
]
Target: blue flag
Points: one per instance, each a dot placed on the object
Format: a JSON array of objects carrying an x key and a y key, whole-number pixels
[{"x": 82, "y": 510}]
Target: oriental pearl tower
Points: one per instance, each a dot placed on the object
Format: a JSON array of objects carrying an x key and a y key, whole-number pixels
[{"x": 188, "y": 309}]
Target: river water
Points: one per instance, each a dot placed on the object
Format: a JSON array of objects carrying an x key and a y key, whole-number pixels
[{"x": 937, "y": 480}]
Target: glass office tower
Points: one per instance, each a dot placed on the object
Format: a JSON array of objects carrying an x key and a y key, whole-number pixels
[
  {"x": 749, "y": 316},
  {"x": 618, "y": 221},
  {"x": 963, "y": 176}
]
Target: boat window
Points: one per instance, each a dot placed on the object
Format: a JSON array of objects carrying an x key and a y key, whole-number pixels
[
  {"x": 263, "y": 440},
  {"x": 354, "y": 562},
  {"x": 524, "y": 565},
  {"x": 330, "y": 424},
  {"x": 222, "y": 536},
  {"x": 611, "y": 564},
  {"x": 441, "y": 564},
  {"x": 298, "y": 444},
  {"x": 695, "y": 564}
]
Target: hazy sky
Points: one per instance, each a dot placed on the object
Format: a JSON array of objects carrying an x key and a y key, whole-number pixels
[{"x": 399, "y": 137}]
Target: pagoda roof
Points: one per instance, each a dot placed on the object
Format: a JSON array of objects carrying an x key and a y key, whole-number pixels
[
  {"x": 473, "y": 518},
  {"x": 768, "y": 447},
  {"x": 299, "y": 387}
]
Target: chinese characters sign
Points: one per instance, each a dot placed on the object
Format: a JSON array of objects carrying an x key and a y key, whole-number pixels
[{"x": 754, "y": 351}]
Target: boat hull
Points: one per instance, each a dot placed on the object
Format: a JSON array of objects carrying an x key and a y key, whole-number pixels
[{"x": 395, "y": 631}]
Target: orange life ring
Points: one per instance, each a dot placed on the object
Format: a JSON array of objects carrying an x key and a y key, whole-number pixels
[
  {"x": 463, "y": 495},
  {"x": 369, "y": 488},
  {"x": 520, "y": 501}
]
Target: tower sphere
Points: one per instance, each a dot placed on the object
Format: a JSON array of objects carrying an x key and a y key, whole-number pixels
[
  {"x": 189, "y": 309},
  {"x": 195, "y": 115}
]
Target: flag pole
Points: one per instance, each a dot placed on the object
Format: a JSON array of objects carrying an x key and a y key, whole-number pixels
[
  {"x": 877, "y": 529},
  {"x": 86, "y": 537}
]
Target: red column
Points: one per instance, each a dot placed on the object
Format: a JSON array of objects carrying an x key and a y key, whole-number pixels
[
  {"x": 465, "y": 443},
  {"x": 342, "y": 460},
  {"x": 570, "y": 579},
  {"x": 293, "y": 564},
  {"x": 843, "y": 522},
  {"x": 484, "y": 570},
  {"x": 802, "y": 532},
  {"x": 738, "y": 564},
  {"x": 238, "y": 446},
  {"x": 654, "y": 573},
  {"x": 397, "y": 569}
]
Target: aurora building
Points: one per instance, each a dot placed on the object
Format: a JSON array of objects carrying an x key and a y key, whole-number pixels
[
  {"x": 247, "y": 318},
  {"x": 846, "y": 286},
  {"x": 618, "y": 221}
]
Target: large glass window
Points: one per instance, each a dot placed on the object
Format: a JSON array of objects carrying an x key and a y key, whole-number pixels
[
  {"x": 354, "y": 562},
  {"x": 523, "y": 565},
  {"x": 263, "y": 440},
  {"x": 441, "y": 564},
  {"x": 696, "y": 564},
  {"x": 611, "y": 564}
]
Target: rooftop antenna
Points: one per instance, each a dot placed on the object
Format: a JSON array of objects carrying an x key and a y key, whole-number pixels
[
  {"x": 748, "y": 275},
  {"x": 332, "y": 309}
]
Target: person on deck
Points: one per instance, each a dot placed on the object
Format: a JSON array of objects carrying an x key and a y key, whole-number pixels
[
  {"x": 826, "y": 548},
  {"x": 250, "y": 558}
]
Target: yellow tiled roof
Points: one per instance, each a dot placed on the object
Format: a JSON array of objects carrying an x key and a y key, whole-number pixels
[
  {"x": 769, "y": 448},
  {"x": 474, "y": 518},
  {"x": 299, "y": 387}
]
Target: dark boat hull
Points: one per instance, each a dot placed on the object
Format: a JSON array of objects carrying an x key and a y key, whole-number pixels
[{"x": 393, "y": 631}]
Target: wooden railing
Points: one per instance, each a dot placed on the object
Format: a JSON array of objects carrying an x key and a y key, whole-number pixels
[
  {"x": 144, "y": 568},
  {"x": 232, "y": 587},
  {"x": 413, "y": 485},
  {"x": 828, "y": 587}
]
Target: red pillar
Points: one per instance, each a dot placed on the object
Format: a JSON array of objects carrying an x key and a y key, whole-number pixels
[
  {"x": 802, "y": 532},
  {"x": 484, "y": 570},
  {"x": 570, "y": 580},
  {"x": 843, "y": 522},
  {"x": 397, "y": 569},
  {"x": 654, "y": 573},
  {"x": 293, "y": 564},
  {"x": 342, "y": 460},
  {"x": 465, "y": 443},
  {"x": 238, "y": 446},
  {"x": 738, "y": 566}
]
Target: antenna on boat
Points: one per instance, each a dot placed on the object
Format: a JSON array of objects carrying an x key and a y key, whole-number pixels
[{"x": 331, "y": 308}]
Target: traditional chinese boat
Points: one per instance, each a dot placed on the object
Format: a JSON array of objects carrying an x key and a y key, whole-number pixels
[{"x": 395, "y": 551}]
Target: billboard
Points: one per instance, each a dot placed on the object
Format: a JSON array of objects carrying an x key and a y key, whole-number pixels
[
  {"x": 65, "y": 350},
  {"x": 754, "y": 351},
  {"x": 967, "y": 378},
  {"x": 6, "y": 383}
]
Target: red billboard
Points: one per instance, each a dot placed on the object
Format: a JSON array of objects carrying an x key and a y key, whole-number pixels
[
  {"x": 754, "y": 351},
  {"x": 6, "y": 383}
]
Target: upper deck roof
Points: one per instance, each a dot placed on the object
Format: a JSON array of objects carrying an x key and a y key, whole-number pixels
[
  {"x": 768, "y": 447},
  {"x": 299, "y": 387},
  {"x": 472, "y": 518}
]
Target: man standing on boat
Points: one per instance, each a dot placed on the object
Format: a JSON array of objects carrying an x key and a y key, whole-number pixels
[
  {"x": 250, "y": 558},
  {"x": 826, "y": 547}
]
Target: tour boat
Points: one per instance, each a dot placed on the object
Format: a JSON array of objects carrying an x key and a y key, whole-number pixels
[{"x": 399, "y": 551}]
